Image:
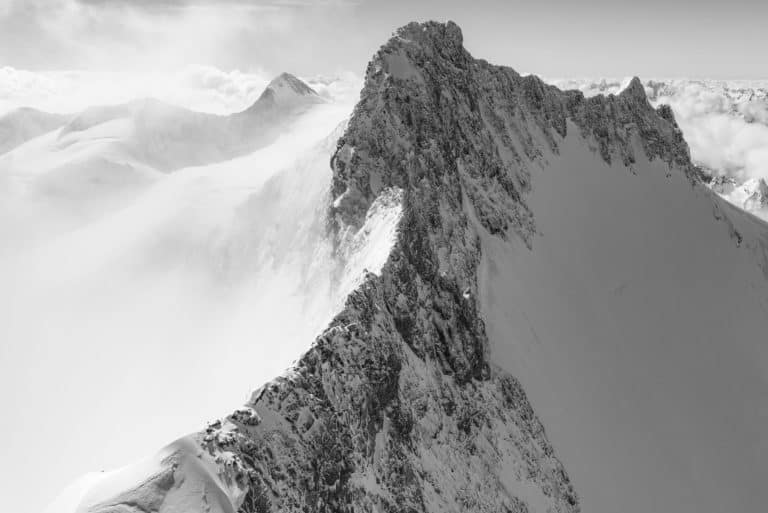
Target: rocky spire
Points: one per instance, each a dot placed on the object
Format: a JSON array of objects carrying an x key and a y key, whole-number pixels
[
  {"x": 635, "y": 90},
  {"x": 397, "y": 406}
]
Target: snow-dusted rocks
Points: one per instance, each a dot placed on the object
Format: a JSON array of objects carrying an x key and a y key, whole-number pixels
[
  {"x": 541, "y": 235},
  {"x": 724, "y": 122},
  {"x": 167, "y": 138}
]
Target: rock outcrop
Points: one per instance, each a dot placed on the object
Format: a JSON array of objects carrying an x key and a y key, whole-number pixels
[{"x": 397, "y": 405}]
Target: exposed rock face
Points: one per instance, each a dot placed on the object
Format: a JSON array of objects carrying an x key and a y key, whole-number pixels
[{"x": 397, "y": 405}]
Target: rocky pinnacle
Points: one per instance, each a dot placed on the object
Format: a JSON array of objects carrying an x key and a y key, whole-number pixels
[{"x": 397, "y": 405}]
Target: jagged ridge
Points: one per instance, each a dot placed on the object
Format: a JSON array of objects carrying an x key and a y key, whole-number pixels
[{"x": 396, "y": 406}]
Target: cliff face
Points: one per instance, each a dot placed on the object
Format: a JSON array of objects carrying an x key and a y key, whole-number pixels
[{"x": 398, "y": 405}]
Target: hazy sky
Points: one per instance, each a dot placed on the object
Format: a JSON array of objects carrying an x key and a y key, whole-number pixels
[
  {"x": 556, "y": 38},
  {"x": 217, "y": 56}
]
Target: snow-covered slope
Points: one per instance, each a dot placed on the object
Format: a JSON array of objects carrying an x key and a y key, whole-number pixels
[
  {"x": 637, "y": 324},
  {"x": 725, "y": 123},
  {"x": 179, "y": 479},
  {"x": 546, "y": 246},
  {"x": 21, "y": 125},
  {"x": 102, "y": 159}
]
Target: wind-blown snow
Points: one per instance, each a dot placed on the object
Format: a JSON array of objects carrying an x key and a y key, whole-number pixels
[
  {"x": 367, "y": 249},
  {"x": 191, "y": 289}
]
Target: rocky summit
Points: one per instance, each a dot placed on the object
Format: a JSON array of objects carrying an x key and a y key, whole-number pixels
[{"x": 402, "y": 404}]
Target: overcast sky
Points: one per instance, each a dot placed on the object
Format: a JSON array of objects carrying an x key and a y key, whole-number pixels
[{"x": 555, "y": 38}]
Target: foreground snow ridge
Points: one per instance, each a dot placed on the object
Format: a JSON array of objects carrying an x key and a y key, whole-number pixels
[{"x": 454, "y": 183}]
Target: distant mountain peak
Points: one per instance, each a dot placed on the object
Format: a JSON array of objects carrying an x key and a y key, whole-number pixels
[
  {"x": 407, "y": 400},
  {"x": 286, "y": 81},
  {"x": 286, "y": 90},
  {"x": 635, "y": 89}
]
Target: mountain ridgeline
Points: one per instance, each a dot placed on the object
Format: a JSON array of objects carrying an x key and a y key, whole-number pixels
[{"x": 407, "y": 402}]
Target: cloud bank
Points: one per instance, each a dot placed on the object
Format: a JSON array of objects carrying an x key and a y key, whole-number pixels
[{"x": 200, "y": 88}]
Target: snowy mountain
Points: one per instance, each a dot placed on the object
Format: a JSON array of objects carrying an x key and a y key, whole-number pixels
[
  {"x": 21, "y": 125},
  {"x": 543, "y": 324},
  {"x": 725, "y": 123},
  {"x": 285, "y": 91},
  {"x": 76, "y": 169},
  {"x": 167, "y": 138}
]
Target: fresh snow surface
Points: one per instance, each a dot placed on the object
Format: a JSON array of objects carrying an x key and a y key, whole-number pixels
[
  {"x": 160, "y": 310},
  {"x": 181, "y": 477},
  {"x": 637, "y": 328}
]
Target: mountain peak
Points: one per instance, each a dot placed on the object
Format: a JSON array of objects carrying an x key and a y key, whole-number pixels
[
  {"x": 431, "y": 31},
  {"x": 416, "y": 45},
  {"x": 287, "y": 83},
  {"x": 405, "y": 381},
  {"x": 635, "y": 90},
  {"x": 287, "y": 89}
]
